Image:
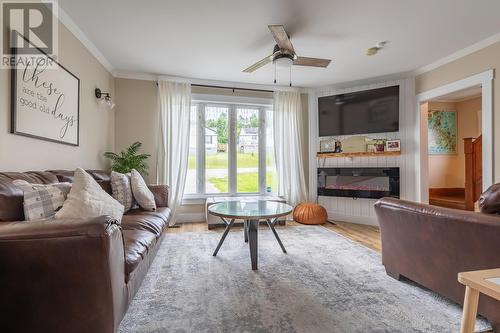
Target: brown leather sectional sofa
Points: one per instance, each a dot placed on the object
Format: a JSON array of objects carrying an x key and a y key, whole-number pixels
[
  {"x": 72, "y": 275},
  {"x": 430, "y": 245}
]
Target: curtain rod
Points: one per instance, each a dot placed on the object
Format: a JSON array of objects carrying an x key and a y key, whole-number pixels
[{"x": 230, "y": 88}]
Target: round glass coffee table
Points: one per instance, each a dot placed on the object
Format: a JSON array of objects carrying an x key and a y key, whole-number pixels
[{"x": 251, "y": 212}]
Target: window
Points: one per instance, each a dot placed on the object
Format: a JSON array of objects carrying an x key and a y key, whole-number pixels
[
  {"x": 217, "y": 152},
  {"x": 191, "y": 184},
  {"x": 231, "y": 150}
]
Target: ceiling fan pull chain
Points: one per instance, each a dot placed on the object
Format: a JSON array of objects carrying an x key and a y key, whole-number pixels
[
  {"x": 290, "y": 76},
  {"x": 274, "y": 73}
]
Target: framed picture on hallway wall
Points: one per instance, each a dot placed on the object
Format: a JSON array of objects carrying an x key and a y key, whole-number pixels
[
  {"x": 45, "y": 99},
  {"x": 442, "y": 134}
]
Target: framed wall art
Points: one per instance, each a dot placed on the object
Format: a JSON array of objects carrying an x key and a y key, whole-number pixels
[
  {"x": 45, "y": 99},
  {"x": 442, "y": 132}
]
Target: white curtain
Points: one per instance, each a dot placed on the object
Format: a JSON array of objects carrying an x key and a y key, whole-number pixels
[
  {"x": 173, "y": 140},
  {"x": 288, "y": 138}
]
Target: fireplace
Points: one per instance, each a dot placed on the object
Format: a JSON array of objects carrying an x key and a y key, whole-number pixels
[{"x": 372, "y": 183}]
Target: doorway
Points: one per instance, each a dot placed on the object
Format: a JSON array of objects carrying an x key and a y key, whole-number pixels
[
  {"x": 454, "y": 147},
  {"x": 453, "y": 93}
]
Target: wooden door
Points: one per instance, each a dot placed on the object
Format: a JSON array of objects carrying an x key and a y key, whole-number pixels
[{"x": 473, "y": 170}]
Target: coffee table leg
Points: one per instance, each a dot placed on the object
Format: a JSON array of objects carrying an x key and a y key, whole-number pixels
[
  {"x": 271, "y": 226},
  {"x": 253, "y": 227},
  {"x": 245, "y": 230},
  {"x": 470, "y": 310},
  {"x": 228, "y": 227}
]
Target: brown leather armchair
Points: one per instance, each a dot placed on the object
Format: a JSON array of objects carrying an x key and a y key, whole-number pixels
[
  {"x": 72, "y": 275},
  {"x": 430, "y": 245}
]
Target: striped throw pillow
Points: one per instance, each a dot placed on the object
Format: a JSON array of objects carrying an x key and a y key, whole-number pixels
[
  {"x": 42, "y": 201},
  {"x": 121, "y": 190}
]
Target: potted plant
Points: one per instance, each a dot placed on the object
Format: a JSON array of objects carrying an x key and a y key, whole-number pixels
[
  {"x": 129, "y": 159},
  {"x": 379, "y": 145}
]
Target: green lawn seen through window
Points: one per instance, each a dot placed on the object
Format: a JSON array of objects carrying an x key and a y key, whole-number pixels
[
  {"x": 247, "y": 182},
  {"x": 219, "y": 161}
]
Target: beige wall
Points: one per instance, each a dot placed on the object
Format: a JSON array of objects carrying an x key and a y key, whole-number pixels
[
  {"x": 18, "y": 153},
  {"x": 448, "y": 171},
  {"x": 477, "y": 62},
  {"x": 137, "y": 120}
]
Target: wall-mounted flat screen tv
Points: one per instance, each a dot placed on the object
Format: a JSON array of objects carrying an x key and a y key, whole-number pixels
[{"x": 362, "y": 112}]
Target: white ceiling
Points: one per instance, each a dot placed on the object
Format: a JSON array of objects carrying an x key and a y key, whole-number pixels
[
  {"x": 217, "y": 39},
  {"x": 460, "y": 95}
]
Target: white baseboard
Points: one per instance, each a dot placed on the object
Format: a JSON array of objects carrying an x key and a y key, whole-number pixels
[
  {"x": 370, "y": 220},
  {"x": 190, "y": 217}
]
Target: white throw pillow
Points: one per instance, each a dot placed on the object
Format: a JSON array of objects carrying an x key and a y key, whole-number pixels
[
  {"x": 142, "y": 194},
  {"x": 122, "y": 191},
  {"x": 87, "y": 199}
]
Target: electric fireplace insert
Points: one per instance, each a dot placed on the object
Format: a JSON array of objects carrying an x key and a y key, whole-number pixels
[{"x": 371, "y": 183}]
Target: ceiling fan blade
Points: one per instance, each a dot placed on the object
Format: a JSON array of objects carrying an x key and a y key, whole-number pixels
[
  {"x": 258, "y": 64},
  {"x": 312, "y": 62},
  {"x": 281, "y": 38}
]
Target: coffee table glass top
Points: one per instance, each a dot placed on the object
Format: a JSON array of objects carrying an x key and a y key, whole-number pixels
[{"x": 247, "y": 209}]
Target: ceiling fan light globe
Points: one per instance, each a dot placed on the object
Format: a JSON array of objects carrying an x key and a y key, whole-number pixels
[{"x": 283, "y": 62}]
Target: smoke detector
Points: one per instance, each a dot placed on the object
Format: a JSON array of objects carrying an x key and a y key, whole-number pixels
[{"x": 374, "y": 49}]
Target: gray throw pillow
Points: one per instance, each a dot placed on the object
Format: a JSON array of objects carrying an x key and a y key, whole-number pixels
[
  {"x": 121, "y": 189},
  {"x": 42, "y": 201}
]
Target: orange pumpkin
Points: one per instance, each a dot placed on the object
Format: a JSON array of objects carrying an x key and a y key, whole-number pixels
[{"x": 310, "y": 213}]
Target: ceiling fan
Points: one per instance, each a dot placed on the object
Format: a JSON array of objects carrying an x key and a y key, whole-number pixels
[{"x": 284, "y": 54}]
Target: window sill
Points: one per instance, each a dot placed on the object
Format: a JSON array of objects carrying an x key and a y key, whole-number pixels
[{"x": 200, "y": 199}]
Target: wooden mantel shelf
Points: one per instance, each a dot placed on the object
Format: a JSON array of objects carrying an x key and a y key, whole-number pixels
[{"x": 359, "y": 154}]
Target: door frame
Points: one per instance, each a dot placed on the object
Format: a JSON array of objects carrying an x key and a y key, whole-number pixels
[{"x": 485, "y": 80}]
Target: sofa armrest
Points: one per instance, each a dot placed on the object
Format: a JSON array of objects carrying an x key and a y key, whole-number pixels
[
  {"x": 23, "y": 230},
  {"x": 161, "y": 194},
  {"x": 62, "y": 275}
]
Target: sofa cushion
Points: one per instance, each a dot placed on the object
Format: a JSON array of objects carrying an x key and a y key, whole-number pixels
[
  {"x": 489, "y": 201},
  {"x": 11, "y": 197},
  {"x": 154, "y": 222},
  {"x": 137, "y": 244}
]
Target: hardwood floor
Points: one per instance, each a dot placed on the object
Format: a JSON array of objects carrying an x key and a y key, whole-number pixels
[{"x": 366, "y": 235}]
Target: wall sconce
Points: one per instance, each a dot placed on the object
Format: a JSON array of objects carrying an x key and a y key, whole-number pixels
[{"x": 104, "y": 97}]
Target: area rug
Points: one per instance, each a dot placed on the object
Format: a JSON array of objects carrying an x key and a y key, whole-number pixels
[{"x": 326, "y": 283}]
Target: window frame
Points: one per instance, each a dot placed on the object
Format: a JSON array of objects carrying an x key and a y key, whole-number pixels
[{"x": 232, "y": 106}]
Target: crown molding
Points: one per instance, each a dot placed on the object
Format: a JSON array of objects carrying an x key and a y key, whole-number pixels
[
  {"x": 68, "y": 22},
  {"x": 233, "y": 84},
  {"x": 135, "y": 76},
  {"x": 363, "y": 82},
  {"x": 459, "y": 54}
]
